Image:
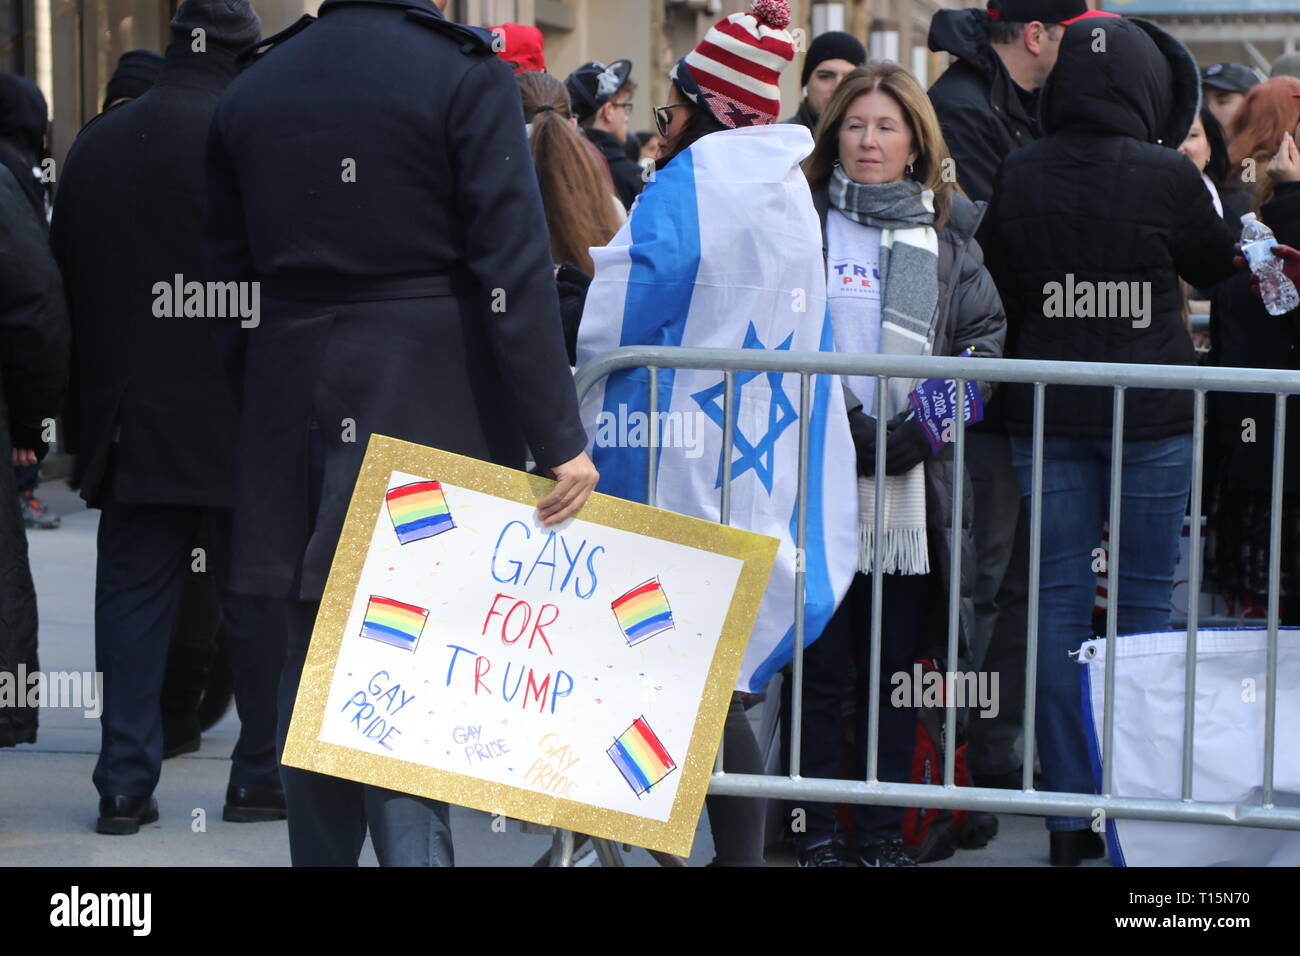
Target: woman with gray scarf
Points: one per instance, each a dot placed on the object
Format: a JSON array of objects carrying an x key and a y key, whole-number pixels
[{"x": 905, "y": 276}]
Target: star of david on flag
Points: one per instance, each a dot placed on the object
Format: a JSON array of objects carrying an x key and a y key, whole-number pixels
[
  {"x": 713, "y": 259},
  {"x": 758, "y": 455}
]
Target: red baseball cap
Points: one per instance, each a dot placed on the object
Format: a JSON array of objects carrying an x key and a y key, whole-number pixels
[{"x": 521, "y": 46}]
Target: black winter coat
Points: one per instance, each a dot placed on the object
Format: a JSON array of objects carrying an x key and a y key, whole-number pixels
[
  {"x": 980, "y": 109},
  {"x": 626, "y": 174},
  {"x": 371, "y": 171},
  {"x": 23, "y": 121},
  {"x": 1105, "y": 197},
  {"x": 130, "y": 215},
  {"x": 1244, "y": 335},
  {"x": 33, "y": 376},
  {"x": 970, "y": 316}
]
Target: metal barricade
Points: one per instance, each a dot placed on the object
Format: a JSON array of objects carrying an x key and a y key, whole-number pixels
[{"x": 1040, "y": 374}]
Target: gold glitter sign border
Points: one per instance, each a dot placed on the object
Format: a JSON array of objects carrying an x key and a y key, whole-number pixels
[{"x": 304, "y": 749}]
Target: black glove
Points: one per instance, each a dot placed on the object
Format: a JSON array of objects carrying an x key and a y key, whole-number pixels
[
  {"x": 907, "y": 447},
  {"x": 863, "y": 429}
]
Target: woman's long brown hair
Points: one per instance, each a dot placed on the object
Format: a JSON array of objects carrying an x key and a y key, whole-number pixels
[
  {"x": 1269, "y": 111},
  {"x": 575, "y": 191},
  {"x": 931, "y": 168}
]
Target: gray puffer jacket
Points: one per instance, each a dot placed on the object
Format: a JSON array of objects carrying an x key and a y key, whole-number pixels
[{"x": 970, "y": 315}]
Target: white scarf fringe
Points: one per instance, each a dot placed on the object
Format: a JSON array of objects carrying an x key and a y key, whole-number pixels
[{"x": 905, "y": 549}]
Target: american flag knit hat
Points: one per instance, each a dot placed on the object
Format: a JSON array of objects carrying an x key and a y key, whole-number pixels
[{"x": 735, "y": 70}]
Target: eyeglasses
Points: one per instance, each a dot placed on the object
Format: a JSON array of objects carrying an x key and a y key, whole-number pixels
[
  {"x": 626, "y": 107},
  {"x": 664, "y": 116}
]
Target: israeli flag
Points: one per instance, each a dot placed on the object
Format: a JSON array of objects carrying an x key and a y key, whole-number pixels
[{"x": 723, "y": 249}]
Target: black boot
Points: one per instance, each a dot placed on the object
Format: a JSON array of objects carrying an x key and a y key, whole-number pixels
[
  {"x": 1068, "y": 847},
  {"x": 980, "y": 828}
]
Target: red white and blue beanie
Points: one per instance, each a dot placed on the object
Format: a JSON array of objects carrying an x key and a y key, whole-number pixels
[{"x": 735, "y": 71}]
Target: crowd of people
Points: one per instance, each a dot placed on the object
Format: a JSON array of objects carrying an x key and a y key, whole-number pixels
[{"x": 377, "y": 248}]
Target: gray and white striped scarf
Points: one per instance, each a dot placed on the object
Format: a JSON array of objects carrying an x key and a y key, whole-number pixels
[
  {"x": 909, "y": 270},
  {"x": 909, "y": 265}
]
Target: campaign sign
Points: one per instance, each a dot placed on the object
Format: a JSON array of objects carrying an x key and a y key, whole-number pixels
[
  {"x": 576, "y": 676},
  {"x": 935, "y": 401}
]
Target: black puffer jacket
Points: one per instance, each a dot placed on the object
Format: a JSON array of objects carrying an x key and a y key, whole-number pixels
[
  {"x": 1105, "y": 197},
  {"x": 33, "y": 377},
  {"x": 981, "y": 111}
]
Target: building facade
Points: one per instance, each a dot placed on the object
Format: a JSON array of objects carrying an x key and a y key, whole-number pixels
[{"x": 70, "y": 47}]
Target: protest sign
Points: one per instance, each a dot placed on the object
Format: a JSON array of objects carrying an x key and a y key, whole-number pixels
[{"x": 576, "y": 676}]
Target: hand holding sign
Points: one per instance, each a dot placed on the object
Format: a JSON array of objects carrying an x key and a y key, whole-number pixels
[{"x": 575, "y": 480}]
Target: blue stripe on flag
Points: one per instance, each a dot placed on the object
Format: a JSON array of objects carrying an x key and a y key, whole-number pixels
[
  {"x": 819, "y": 595},
  {"x": 637, "y": 780},
  {"x": 1114, "y": 850},
  {"x": 665, "y": 255},
  {"x": 660, "y": 622},
  {"x": 389, "y": 635},
  {"x": 419, "y": 524}
]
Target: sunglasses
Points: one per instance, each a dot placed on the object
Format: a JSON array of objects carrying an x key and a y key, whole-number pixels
[{"x": 664, "y": 116}]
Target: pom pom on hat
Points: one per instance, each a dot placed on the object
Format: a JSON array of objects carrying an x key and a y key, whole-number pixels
[{"x": 775, "y": 13}]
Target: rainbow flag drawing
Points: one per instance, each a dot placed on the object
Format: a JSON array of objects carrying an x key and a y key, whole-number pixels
[
  {"x": 640, "y": 757},
  {"x": 393, "y": 622},
  {"x": 419, "y": 510},
  {"x": 643, "y": 612}
]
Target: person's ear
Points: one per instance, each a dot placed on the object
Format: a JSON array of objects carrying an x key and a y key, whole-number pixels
[{"x": 1034, "y": 37}]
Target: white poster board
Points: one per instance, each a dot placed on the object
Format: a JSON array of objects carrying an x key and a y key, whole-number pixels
[{"x": 577, "y": 676}]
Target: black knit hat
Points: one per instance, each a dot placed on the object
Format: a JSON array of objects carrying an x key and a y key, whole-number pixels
[
  {"x": 228, "y": 23},
  {"x": 832, "y": 45},
  {"x": 135, "y": 74}
]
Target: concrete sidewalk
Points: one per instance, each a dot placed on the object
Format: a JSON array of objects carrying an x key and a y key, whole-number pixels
[{"x": 48, "y": 804}]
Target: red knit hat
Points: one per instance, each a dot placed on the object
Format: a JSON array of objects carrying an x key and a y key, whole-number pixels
[
  {"x": 521, "y": 46},
  {"x": 735, "y": 70}
]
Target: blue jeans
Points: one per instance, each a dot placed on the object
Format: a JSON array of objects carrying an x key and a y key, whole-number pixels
[{"x": 1157, "y": 476}]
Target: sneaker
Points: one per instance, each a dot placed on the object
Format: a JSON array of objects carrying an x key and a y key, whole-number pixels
[
  {"x": 884, "y": 853},
  {"x": 823, "y": 854},
  {"x": 35, "y": 513}
]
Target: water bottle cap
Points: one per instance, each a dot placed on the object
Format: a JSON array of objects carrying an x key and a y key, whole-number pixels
[{"x": 1248, "y": 219}]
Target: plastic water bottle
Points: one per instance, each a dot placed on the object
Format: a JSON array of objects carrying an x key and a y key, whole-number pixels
[{"x": 1279, "y": 292}]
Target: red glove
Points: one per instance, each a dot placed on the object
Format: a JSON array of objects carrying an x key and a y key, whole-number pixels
[
  {"x": 1290, "y": 266},
  {"x": 1290, "y": 261}
]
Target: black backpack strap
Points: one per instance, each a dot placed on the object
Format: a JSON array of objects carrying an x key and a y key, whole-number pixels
[{"x": 262, "y": 47}]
